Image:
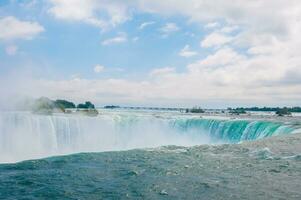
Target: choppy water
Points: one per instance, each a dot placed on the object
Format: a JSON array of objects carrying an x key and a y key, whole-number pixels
[{"x": 221, "y": 166}]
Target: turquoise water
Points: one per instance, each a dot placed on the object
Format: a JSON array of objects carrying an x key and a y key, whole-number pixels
[
  {"x": 148, "y": 156},
  {"x": 234, "y": 130},
  {"x": 216, "y": 172},
  {"x": 26, "y": 136}
]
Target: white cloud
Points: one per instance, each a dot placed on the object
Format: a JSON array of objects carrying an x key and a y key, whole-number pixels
[
  {"x": 162, "y": 71},
  {"x": 223, "y": 57},
  {"x": 121, "y": 38},
  {"x": 228, "y": 29},
  {"x": 186, "y": 52},
  {"x": 11, "y": 50},
  {"x": 215, "y": 40},
  {"x": 252, "y": 15},
  {"x": 212, "y": 25},
  {"x": 215, "y": 86},
  {"x": 169, "y": 28},
  {"x": 222, "y": 78},
  {"x": 72, "y": 10},
  {"x": 75, "y": 76},
  {"x": 267, "y": 73},
  {"x": 99, "y": 68},
  {"x": 145, "y": 24},
  {"x": 102, "y": 14},
  {"x": 13, "y": 28}
]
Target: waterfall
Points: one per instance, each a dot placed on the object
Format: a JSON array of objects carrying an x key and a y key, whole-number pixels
[
  {"x": 26, "y": 136},
  {"x": 233, "y": 131}
]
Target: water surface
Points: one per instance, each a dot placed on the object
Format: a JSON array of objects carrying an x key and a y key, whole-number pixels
[{"x": 149, "y": 155}]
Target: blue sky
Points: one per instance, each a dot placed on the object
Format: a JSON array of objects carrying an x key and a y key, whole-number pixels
[
  {"x": 76, "y": 48},
  {"x": 152, "y": 52}
]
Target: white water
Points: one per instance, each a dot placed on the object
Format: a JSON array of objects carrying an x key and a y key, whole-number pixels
[{"x": 27, "y": 136}]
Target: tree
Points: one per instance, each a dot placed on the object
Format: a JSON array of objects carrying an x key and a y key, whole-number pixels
[
  {"x": 195, "y": 110},
  {"x": 43, "y": 105},
  {"x": 87, "y": 105},
  {"x": 111, "y": 107},
  {"x": 283, "y": 111},
  {"x": 237, "y": 111},
  {"x": 90, "y": 105},
  {"x": 64, "y": 104},
  {"x": 82, "y": 106}
]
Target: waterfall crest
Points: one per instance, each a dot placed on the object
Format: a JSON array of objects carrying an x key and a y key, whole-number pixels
[{"x": 26, "y": 136}]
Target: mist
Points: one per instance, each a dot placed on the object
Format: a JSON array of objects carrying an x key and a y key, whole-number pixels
[{"x": 27, "y": 136}]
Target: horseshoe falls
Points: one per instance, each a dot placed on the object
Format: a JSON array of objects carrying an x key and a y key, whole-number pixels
[
  {"x": 123, "y": 154},
  {"x": 26, "y": 136}
]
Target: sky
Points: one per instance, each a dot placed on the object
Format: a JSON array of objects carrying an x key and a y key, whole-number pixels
[{"x": 176, "y": 53}]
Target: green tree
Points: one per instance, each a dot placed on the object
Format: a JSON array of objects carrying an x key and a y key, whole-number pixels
[{"x": 283, "y": 111}]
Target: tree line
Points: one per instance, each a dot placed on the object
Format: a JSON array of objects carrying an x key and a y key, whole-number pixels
[{"x": 45, "y": 105}]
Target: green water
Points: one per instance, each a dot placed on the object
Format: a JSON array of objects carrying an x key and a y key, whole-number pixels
[
  {"x": 205, "y": 172},
  {"x": 234, "y": 130}
]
